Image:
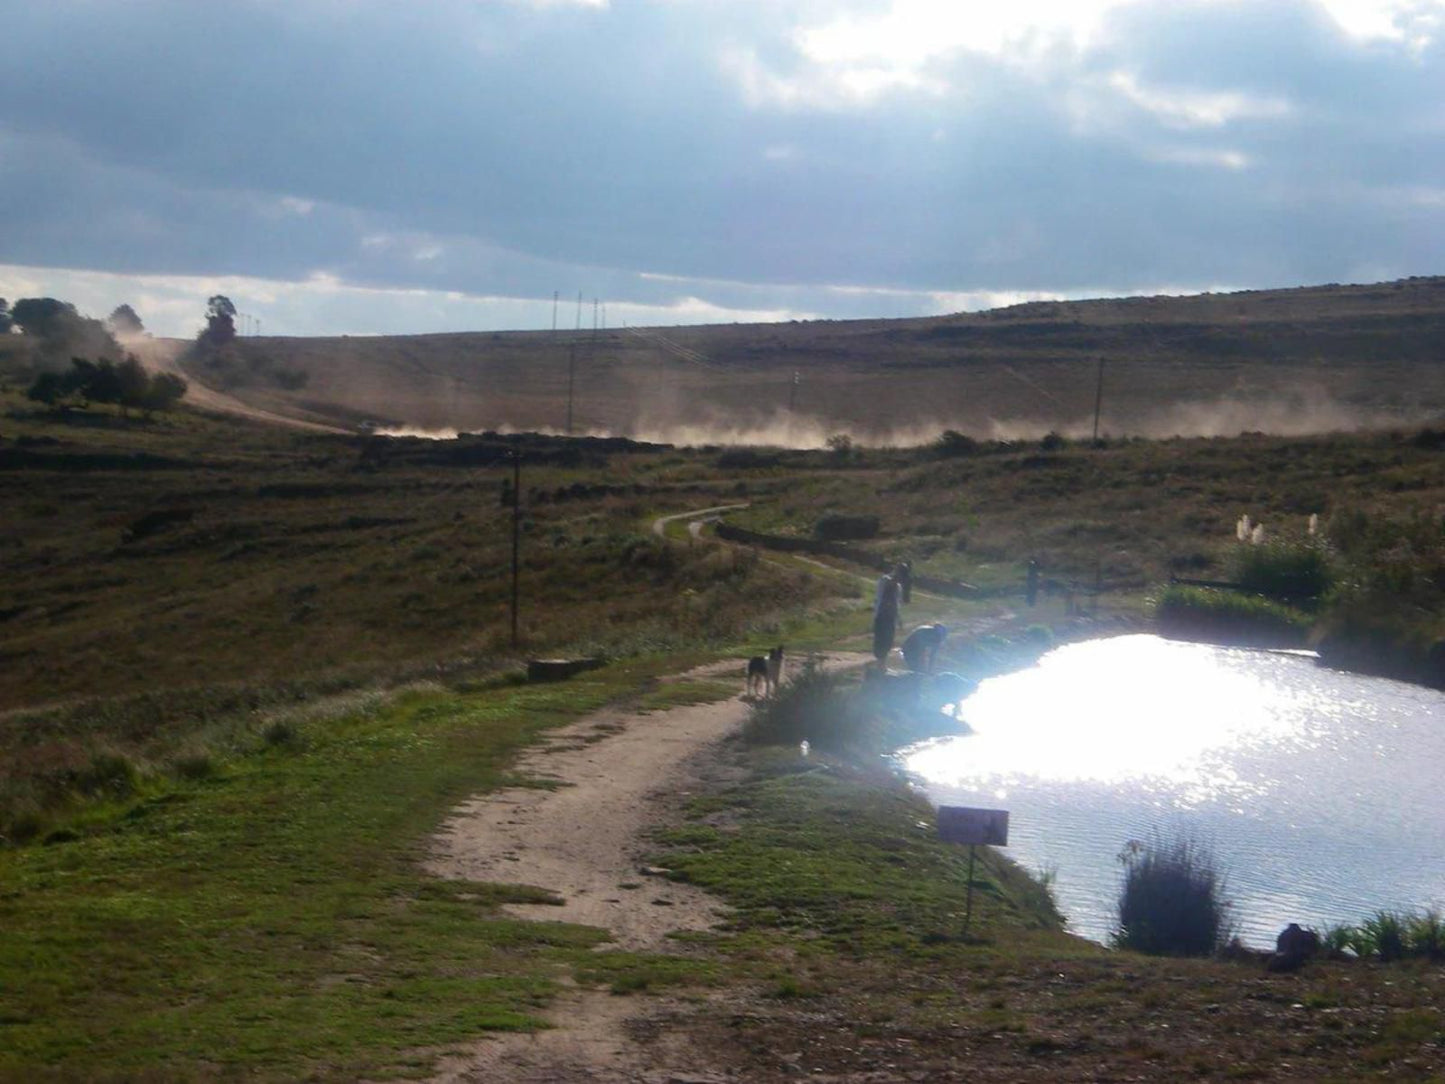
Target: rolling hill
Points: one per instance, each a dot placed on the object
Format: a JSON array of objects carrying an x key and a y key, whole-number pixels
[{"x": 1310, "y": 359}]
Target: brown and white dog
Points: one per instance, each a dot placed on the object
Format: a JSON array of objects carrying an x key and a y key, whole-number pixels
[{"x": 765, "y": 671}]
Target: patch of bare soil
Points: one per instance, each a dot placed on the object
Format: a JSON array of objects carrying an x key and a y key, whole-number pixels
[
  {"x": 615, "y": 777},
  {"x": 165, "y": 354}
]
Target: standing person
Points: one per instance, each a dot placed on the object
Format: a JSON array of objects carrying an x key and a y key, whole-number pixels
[
  {"x": 904, "y": 575},
  {"x": 885, "y": 619}
]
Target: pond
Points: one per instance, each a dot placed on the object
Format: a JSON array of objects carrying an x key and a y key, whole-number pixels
[{"x": 1319, "y": 792}]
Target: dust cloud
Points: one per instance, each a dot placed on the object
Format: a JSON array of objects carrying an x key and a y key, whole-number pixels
[{"x": 1226, "y": 416}]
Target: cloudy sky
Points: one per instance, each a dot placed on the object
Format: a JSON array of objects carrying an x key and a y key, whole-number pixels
[{"x": 368, "y": 166}]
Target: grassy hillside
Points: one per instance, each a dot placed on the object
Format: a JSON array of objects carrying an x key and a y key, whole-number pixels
[
  {"x": 1283, "y": 361},
  {"x": 170, "y": 575}
]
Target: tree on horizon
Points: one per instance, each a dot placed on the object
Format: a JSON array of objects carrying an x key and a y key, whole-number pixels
[
  {"x": 220, "y": 321},
  {"x": 124, "y": 321}
]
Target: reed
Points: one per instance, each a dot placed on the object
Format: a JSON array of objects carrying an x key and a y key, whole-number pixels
[{"x": 1172, "y": 902}]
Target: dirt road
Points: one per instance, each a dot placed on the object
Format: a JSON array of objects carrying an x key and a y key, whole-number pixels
[
  {"x": 165, "y": 355},
  {"x": 586, "y": 841}
]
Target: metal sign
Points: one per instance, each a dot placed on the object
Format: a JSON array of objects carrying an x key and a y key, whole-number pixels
[{"x": 960, "y": 824}]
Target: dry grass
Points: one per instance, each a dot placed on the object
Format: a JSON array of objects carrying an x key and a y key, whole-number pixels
[{"x": 1289, "y": 361}]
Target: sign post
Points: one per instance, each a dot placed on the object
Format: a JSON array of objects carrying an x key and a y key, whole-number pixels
[{"x": 962, "y": 824}]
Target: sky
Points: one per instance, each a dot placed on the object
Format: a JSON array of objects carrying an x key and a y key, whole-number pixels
[{"x": 373, "y": 167}]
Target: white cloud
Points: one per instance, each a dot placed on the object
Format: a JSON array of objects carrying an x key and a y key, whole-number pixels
[
  {"x": 323, "y": 304},
  {"x": 1414, "y": 23},
  {"x": 1182, "y": 108},
  {"x": 1214, "y": 157},
  {"x": 949, "y": 150},
  {"x": 910, "y": 33}
]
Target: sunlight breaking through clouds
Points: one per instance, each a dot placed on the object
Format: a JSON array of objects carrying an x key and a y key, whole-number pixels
[{"x": 835, "y": 158}]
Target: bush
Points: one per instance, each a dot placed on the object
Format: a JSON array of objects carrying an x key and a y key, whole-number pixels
[
  {"x": 1425, "y": 934},
  {"x": 952, "y": 443},
  {"x": 281, "y": 732},
  {"x": 1383, "y": 933},
  {"x": 108, "y": 775},
  {"x": 810, "y": 706},
  {"x": 1172, "y": 900},
  {"x": 1298, "y": 572},
  {"x": 747, "y": 459},
  {"x": 195, "y": 764},
  {"x": 1337, "y": 940},
  {"x": 837, "y": 527}
]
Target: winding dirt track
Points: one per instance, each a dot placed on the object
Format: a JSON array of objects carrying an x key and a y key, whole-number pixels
[
  {"x": 165, "y": 355},
  {"x": 620, "y": 777}
]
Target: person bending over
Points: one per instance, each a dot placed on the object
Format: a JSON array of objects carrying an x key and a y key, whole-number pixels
[{"x": 920, "y": 648}]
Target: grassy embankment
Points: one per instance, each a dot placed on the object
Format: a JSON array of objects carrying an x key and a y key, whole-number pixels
[{"x": 270, "y": 920}]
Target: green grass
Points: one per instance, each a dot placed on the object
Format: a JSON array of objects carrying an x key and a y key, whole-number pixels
[
  {"x": 1225, "y": 616},
  {"x": 1299, "y": 572},
  {"x": 774, "y": 855},
  {"x": 1390, "y": 936},
  {"x": 674, "y": 694},
  {"x": 270, "y": 919}
]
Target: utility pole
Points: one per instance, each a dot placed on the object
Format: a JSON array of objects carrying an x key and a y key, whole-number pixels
[
  {"x": 515, "y": 456},
  {"x": 572, "y": 362},
  {"x": 1098, "y": 400},
  {"x": 554, "y": 313},
  {"x": 592, "y": 350}
]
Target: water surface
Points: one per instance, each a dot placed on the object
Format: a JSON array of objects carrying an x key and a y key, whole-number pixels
[{"x": 1318, "y": 791}]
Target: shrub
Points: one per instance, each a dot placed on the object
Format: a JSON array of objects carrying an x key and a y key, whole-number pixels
[
  {"x": 195, "y": 764},
  {"x": 281, "y": 732},
  {"x": 747, "y": 459},
  {"x": 108, "y": 775},
  {"x": 1425, "y": 934},
  {"x": 810, "y": 706},
  {"x": 953, "y": 443},
  {"x": 1299, "y": 572},
  {"x": 1337, "y": 940},
  {"x": 1172, "y": 900},
  {"x": 1383, "y": 933},
  {"x": 837, "y": 527}
]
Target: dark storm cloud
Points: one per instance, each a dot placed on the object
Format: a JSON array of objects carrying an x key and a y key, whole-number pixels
[{"x": 511, "y": 149}]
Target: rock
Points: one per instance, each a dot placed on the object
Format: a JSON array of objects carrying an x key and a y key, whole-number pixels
[{"x": 1293, "y": 947}]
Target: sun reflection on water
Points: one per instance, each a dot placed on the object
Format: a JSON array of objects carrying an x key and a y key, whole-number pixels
[
  {"x": 1318, "y": 790},
  {"x": 1076, "y": 717}
]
